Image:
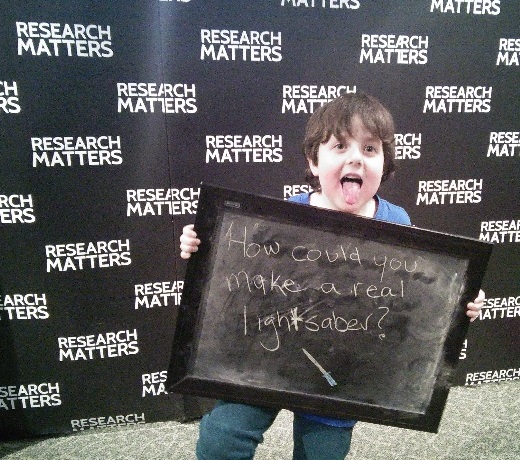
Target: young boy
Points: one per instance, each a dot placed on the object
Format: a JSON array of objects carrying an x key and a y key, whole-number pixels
[{"x": 349, "y": 148}]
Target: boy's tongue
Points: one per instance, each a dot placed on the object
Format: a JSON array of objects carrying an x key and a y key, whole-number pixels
[{"x": 351, "y": 190}]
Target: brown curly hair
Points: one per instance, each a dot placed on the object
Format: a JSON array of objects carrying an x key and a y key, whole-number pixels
[{"x": 335, "y": 118}]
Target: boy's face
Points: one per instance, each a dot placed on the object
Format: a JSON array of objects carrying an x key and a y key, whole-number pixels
[{"x": 350, "y": 170}]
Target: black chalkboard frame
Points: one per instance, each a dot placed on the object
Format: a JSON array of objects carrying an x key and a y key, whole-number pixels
[{"x": 213, "y": 204}]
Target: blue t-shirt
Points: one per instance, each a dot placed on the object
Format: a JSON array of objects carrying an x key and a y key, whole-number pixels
[{"x": 385, "y": 211}]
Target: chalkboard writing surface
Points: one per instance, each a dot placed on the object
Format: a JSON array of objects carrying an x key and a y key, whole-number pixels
[{"x": 318, "y": 311}]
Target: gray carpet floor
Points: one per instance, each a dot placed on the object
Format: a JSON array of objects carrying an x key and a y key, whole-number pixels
[{"x": 480, "y": 422}]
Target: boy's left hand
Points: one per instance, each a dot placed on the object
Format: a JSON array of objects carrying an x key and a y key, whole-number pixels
[{"x": 474, "y": 307}]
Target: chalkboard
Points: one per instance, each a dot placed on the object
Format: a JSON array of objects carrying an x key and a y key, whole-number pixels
[{"x": 318, "y": 311}]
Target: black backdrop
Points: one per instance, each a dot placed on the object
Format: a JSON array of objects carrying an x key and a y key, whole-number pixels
[{"x": 86, "y": 329}]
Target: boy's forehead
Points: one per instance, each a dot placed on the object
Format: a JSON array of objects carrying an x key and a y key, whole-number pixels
[
  {"x": 343, "y": 132},
  {"x": 346, "y": 124}
]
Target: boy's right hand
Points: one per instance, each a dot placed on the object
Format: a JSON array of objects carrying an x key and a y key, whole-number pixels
[{"x": 189, "y": 241}]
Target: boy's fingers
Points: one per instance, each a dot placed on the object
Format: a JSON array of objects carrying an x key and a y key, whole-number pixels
[
  {"x": 473, "y": 315},
  {"x": 185, "y": 255},
  {"x": 188, "y": 240},
  {"x": 481, "y": 297},
  {"x": 473, "y": 308},
  {"x": 187, "y": 250},
  {"x": 189, "y": 233},
  {"x": 189, "y": 245},
  {"x": 189, "y": 230}
]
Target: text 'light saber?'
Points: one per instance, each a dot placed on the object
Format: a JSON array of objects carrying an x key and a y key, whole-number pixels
[{"x": 326, "y": 374}]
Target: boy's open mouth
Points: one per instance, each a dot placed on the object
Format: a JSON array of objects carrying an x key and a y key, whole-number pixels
[{"x": 351, "y": 188}]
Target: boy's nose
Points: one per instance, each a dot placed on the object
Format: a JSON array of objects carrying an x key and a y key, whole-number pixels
[{"x": 355, "y": 155}]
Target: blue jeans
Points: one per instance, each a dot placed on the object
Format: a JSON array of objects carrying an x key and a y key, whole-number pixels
[{"x": 232, "y": 431}]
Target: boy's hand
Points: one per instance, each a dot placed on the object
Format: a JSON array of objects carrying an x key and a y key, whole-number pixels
[
  {"x": 189, "y": 241},
  {"x": 474, "y": 307}
]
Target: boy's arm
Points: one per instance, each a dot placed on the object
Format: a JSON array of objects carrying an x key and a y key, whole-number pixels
[{"x": 189, "y": 241}]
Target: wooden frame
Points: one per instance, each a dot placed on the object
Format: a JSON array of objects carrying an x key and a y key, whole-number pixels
[{"x": 291, "y": 306}]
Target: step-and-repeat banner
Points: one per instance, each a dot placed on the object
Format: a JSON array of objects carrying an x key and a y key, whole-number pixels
[{"x": 113, "y": 112}]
